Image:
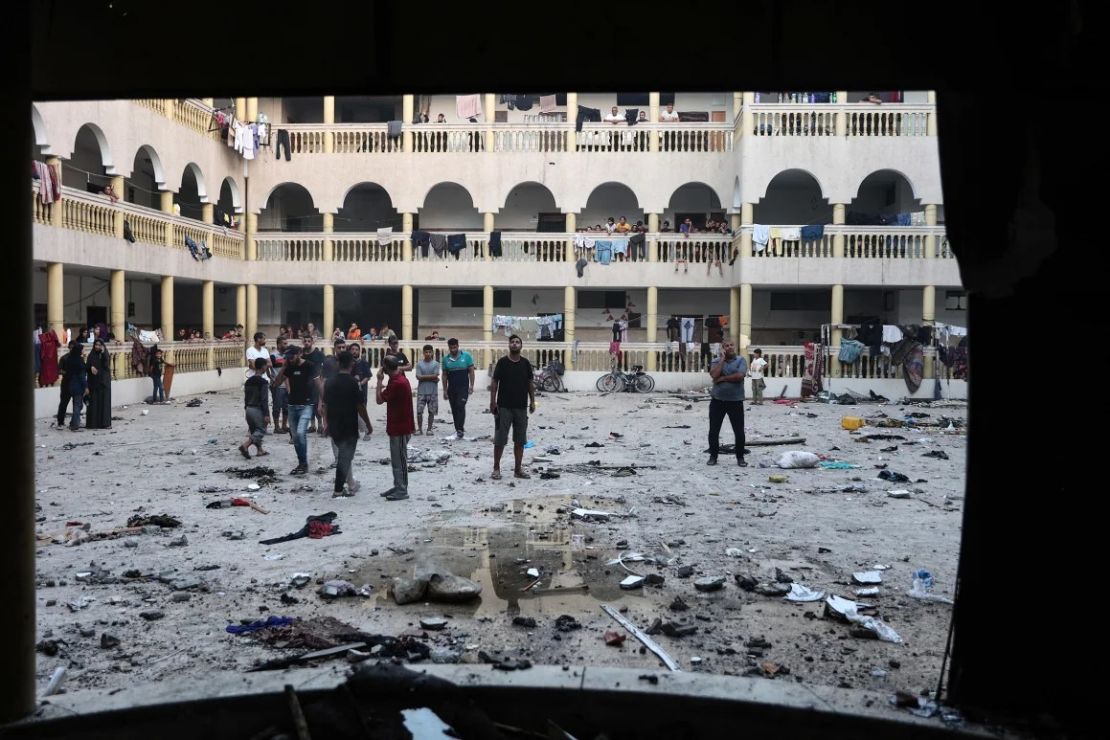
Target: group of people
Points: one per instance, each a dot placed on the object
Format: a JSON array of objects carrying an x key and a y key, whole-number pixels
[{"x": 86, "y": 381}]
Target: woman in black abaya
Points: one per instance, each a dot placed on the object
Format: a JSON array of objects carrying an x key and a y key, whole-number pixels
[{"x": 100, "y": 388}]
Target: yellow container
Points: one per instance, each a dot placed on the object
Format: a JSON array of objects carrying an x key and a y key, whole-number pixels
[{"x": 851, "y": 422}]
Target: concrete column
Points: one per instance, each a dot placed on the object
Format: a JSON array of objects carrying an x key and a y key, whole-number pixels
[
  {"x": 747, "y": 211},
  {"x": 931, "y": 120},
  {"x": 55, "y": 305},
  {"x": 838, "y": 239},
  {"x": 207, "y": 212},
  {"x": 652, "y": 324},
  {"x": 487, "y": 226},
  {"x": 928, "y": 318},
  {"x": 570, "y": 304},
  {"x": 328, "y": 326},
  {"x": 653, "y": 116},
  {"x": 572, "y": 114},
  {"x": 572, "y": 225},
  {"x": 837, "y": 318},
  {"x": 487, "y": 323},
  {"x": 489, "y": 105},
  {"x": 407, "y": 329},
  {"x": 252, "y": 312},
  {"x": 56, "y": 206},
  {"x": 747, "y": 117},
  {"x": 117, "y": 220},
  {"x": 329, "y": 245},
  {"x": 208, "y": 317},
  {"x": 250, "y": 228},
  {"x": 406, "y": 245},
  {"x": 210, "y": 102},
  {"x": 745, "y": 313},
  {"x": 652, "y": 244},
  {"x": 841, "y": 115},
  {"x": 252, "y": 110},
  {"x": 240, "y": 108},
  {"x": 406, "y": 120},
  {"x": 241, "y": 305},
  {"x": 167, "y": 207},
  {"x": 167, "y": 308},
  {"x": 117, "y": 296},
  {"x": 329, "y": 118},
  {"x": 734, "y": 316}
]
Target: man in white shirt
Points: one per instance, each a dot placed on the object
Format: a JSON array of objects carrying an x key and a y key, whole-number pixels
[
  {"x": 614, "y": 116},
  {"x": 258, "y": 349},
  {"x": 755, "y": 372},
  {"x": 669, "y": 116}
]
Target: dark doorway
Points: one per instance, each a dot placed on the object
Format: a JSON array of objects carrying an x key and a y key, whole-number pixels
[
  {"x": 96, "y": 315},
  {"x": 552, "y": 222}
]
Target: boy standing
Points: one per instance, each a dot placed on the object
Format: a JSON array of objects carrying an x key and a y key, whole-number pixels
[
  {"x": 398, "y": 424},
  {"x": 755, "y": 372},
  {"x": 427, "y": 396},
  {"x": 256, "y": 403},
  {"x": 458, "y": 383}
]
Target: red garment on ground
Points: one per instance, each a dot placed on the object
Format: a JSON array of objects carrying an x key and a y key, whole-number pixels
[
  {"x": 48, "y": 354},
  {"x": 316, "y": 530},
  {"x": 398, "y": 406}
]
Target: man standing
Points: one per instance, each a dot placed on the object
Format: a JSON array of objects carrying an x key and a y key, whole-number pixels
[
  {"x": 341, "y": 407},
  {"x": 361, "y": 372},
  {"x": 512, "y": 383},
  {"x": 280, "y": 392},
  {"x": 256, "y": 408},
  {"x": 302, "y": 376},
  {"x": 755, "y": 372},
  {"x": 315, "y": 355},
  {"x": 255, "y": 351},
  {"x": 727, "y": 373},
  {"x": 458, "y": 383},
  {"x": 75, "y": 377},
  {"x": 395, "y": 350},
  {"x": 398, "y": 424},
  {"x": 427, "y": 390}
]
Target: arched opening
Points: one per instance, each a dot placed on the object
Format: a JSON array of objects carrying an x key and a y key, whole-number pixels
[
  {"x": 610, "y": 199},
  {"x": 289, "y": 208},
  {"x": 885, "y": 197},
  {"x": 39, "y": 143},
  {"x": 695, "y": 201},
  {"x": 367, "y": 207},
  {"x": 449, "y": 206},
  {"x": 793, "y": 197},
  {"x": 530, "y": 206},
  {"x": 143, "y": 186},
  {"x": 192, "y": 194},
  {"x": 85, "y": 169},
  {"x": 228, "y": 203}
]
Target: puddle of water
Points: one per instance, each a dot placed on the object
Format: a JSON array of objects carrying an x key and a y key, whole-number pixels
[{"x": 572, "y": 579}]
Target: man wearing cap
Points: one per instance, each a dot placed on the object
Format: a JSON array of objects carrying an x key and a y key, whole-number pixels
[{"x": 403, "y": 363}]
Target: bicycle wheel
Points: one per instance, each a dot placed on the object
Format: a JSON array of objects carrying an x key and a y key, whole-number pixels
[
  {"x": 550, "y": 383},
  {"x": 609, "y": 383},
  {"x": 645, "y": 383}
]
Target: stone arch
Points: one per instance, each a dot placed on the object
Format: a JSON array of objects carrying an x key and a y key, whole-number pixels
[
  {"x": 882, "y": 192},
  {"x": 193, "y": 192},
  {"x": 607, "y": 199},
  {"x": 449, "y": 205},
  {"x": 367, "y": 206},
  {"x": 290, "y": 207},
  {"x": 38, "y": 125},
  {"x": 523, "y": 204},
  {"x": 793, "y": 196}
]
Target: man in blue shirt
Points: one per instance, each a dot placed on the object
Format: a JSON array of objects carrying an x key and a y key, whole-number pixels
[
  {"x": 458, "y": 383},
  {"x": 727, "y": 373}
]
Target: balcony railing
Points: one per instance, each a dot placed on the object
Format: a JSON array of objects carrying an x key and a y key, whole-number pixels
[
  {"x": 820, "y": 119},
  {"x": 189, "y": 112},
  {"x": 860, "y": 242},
  {"x": 94, "y": 213},
  {"x": 186, "y": 357}
]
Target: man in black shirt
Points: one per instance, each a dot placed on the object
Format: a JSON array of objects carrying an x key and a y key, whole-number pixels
[
  {"x": 512, "y": 384},
  {"x": 403, "y": 363},
  {"x": 341, "y": 406},
  {"x": 302, "y": 376},
  {"x": 256, "y": 403},
  {"x": 315, "y": 355}
]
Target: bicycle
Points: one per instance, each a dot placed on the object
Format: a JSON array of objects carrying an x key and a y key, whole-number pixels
[
  {"x": 636, "y": 380},
  {"x": 550, "y": 378}
]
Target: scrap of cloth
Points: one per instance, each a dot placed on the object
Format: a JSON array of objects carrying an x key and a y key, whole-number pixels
[
  {"x": 316, "y": 526},
  {"x": 271, "y": 621}
]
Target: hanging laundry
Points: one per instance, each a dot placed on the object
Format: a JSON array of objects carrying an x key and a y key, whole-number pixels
[
  {"x": 586, "y": 114},
  {"x": 468, "y": 106},
  {"x": 812, "y": 233},
  {"x": 547, "y": 103},
  {"x": 393, "y": 129},
  {"x": 902, "y": 219},
  {"x": 631, "y": 115},
  {"x": 523, "y": 102},
  {"x": 385, "y": 236},
  {"x": 917, "y": 218},
  {"x": 439, "y": 244},
  {"x": 891, "y": 333},
  {"x": 790, "y": 233},
  {"x": 686, "y": 329},
  {"x": 46, "y": 190},
  {"x": 580, "y": 266},
  {"x": 495, "y": 243},
  {"x": 620, "y": 246},
  {"x": 456, "y": 243},
  {"x": 421, "y": 238},
  {"x": 850, "y": 350},
  {"x": 761, "y": 234},
  {"x": 604, "y": 251}
]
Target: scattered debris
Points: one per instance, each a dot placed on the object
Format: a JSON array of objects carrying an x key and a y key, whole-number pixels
[
  {"x": 890, "y": 475},
  {"x": 632, "y": 582},
  {"x": 247, "y": 627},
  {"x": 337, "y": 588},
  {"x": 797, "y": 459},
  {"x": 799, "y": 592},
  {"x": 710, "y": 583},
  {"x": 773, "y": 589},
  {"x": 867, "y": 577},
  {"x": 639, "y": 634},
  {"x": 450, "y": 588},
  {"x": 846, "y": 610},
  {"x": 567, "y": 623},
  {"x": 316, "y": 526},
  {"x": 527, "y": 622},
  {"x": 939, "y": 454},
  {"x": 504, "y": 662},
  {"x": 433, "y": 623},
  {"x": 614, "y": 638}
]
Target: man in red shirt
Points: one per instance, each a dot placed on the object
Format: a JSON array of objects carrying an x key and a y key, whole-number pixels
[{"x": 399, "y": 424}]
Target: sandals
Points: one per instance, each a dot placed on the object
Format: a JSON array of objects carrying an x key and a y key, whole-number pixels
[
  {"x": 521, "y": 474},
  {"x": 261, "y": 453},
  {"x": 495, "y": 475},
  {"x": 244, "y": 452}
]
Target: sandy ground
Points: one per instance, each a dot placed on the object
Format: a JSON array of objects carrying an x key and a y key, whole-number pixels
[{"x": 722, "y": 520}]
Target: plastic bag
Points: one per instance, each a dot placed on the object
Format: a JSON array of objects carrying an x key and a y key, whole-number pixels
[{"x": 798, "y": 459}]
